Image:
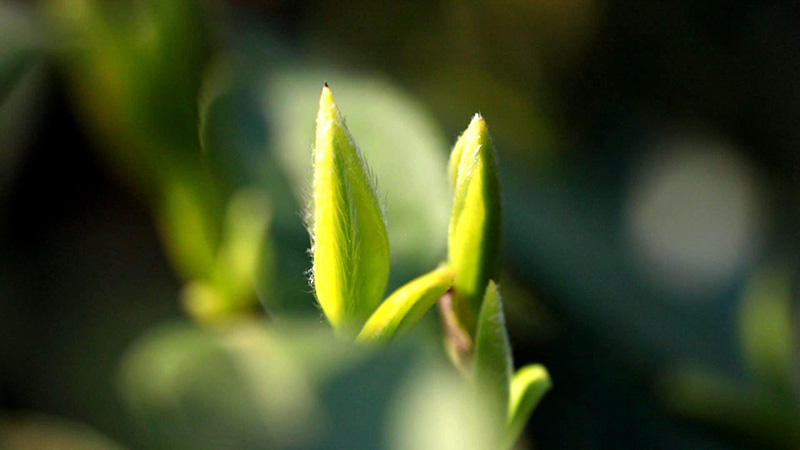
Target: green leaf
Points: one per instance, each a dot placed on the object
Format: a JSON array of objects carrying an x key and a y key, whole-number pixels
[
  {"x": 528, "y": 386},
  {"x": 197, "y": 388},
  {"x": 350, "y": 245},
  {"x": 399, "y": 137},
  {"x": 493, "y": 365},
  {"x": 243, "y": 255},
  {"x": 435, "y": 409},
  {"x": 187, "y": 226},
  {"x": 245, "y": 246},
  {"x": 406, "y": 306},
  {"x": 474, "y": 233}
]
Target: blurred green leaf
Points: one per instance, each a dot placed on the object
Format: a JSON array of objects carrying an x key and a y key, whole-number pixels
[
  {"x": 189, "y": 234},
  {"x": 243, "y": 252},
  {"x": 243, "y": 249},
  {"x": 234, "y": 134},
  {"x": 436, "y": 410},
  {"x": 406, "y": 306},
  {"x": 349, "y": 241},
  {"x": 474, "y": 233},
  {"x": 769, "y": 334},
  {"x": 290, "y": 385},
  {"x": 528, "y": 386},
  {"x": 493, "y": 361},
  {"x": 233, "y": 388},
  {"x": 134, "y": 70}
]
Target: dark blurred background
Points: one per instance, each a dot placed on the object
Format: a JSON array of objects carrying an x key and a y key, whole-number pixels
[{"x": 649, "y": 167}]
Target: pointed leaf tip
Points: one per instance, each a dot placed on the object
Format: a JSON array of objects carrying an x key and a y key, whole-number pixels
[
  {"x": 349, "y": 240},
  {"x": 475, "y": 220}
]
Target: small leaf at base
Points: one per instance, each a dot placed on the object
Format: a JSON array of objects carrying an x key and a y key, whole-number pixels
[
  {"x": 493, "y": 364},
  {"x": 528, "y": 386}
]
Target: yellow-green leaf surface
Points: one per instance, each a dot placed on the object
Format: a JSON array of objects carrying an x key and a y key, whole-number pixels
[
  {"x": 493, "y": 364},
  {"x": 350, "y": 245},
  {"x": 528, "y": 386},
  {"x": 406, "y": 306},
  {"x": 396, "y": 134},
  {"x": 474, "y": 232},
  {"x": 455, "y": 160}
]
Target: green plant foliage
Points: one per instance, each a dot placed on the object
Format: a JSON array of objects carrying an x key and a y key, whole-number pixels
[
  {"x": 397, "y": 136},
  {"x": 474, "y": 232},
  {"x": 349, "y": 241},
  {"x": 236, "y": 387},
  {"x": 345, "y": 212},
  {"x": 492, "y": 360},
  {"x": 245, "y": 246},
  {"x": 290, "y": 385},
  {"x": 235, "y": 137},
  {"x": 406, "y": 306},
  {"x": 230, "y": 288},
  {"x": 528, "y": 386},
  {"x": 187, "y": 234},
  {"x": 135, "y": 78},
  {"x": 436, "y": 410},
  {"x": 455, "y": 160}
]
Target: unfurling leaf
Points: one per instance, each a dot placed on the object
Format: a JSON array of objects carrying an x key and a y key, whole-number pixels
[
  {"x": 474, "y": 232},
  {"x": 528, "y": 386},
  {"x": 350, "y": 246},
  {"x": 493, "y": 364},
  {"x": 406, "y": 306}
]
